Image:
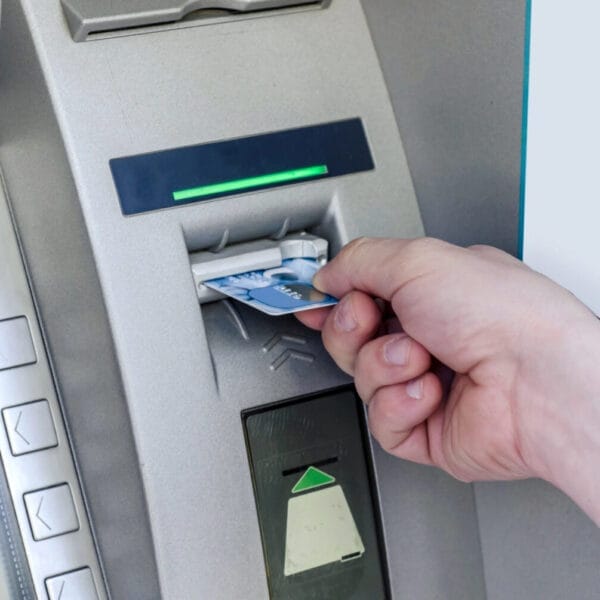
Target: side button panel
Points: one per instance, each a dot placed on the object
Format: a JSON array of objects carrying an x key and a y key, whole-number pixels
[
  {"x": 16, "y": 345},
  {"x": 29, "y": 427},
  {"x": 77, "y": 585},
  {"x": 34, "y": 448}
]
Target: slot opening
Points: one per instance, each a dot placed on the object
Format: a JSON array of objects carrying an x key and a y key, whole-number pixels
[
  {"x": 269, "y": 255},
  {"x": 204, "y": 14},
  {"x": 311, "y": 229},
  {"x": 97, "y": 28},
  {"x": 352, "y": 556},
  {"x": 320, "y": 463}
]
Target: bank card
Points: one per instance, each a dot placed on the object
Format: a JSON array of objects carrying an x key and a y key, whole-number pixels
[{"x": 278, "y": 291}]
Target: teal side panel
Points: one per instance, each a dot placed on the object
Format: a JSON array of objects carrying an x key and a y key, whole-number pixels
[{"x": 526, "y": 64}]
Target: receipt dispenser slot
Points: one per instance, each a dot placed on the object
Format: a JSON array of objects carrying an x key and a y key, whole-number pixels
[
  {"x": 94, "y": 16},
  {"x": 310, "y": 466}
]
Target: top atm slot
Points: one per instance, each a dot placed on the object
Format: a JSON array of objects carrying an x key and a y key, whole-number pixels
[{"x": 87, "y": 17}]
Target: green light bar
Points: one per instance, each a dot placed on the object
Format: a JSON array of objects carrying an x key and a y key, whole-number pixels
[{"x": 237, "y": 185}]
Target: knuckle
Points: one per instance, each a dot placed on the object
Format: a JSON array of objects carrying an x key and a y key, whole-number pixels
[
  {"x": 354, "y": 246},
  {"x": 480, "y": 248},
  {"x": 427, "y": 246},
  {"x": 495, "y": 254},
  {"x": 363, "y": 363},
  {"x": 363, "y": 389},
  {"x": 376, "y": 429},
  {"x": 461, "y": 476},
  {"x": 337, "y": 353},
  {"x": 422, "y": 256},
  {"x": 386, "y": 407},
  {"x": 487, "y": 251},
  {"x": 421, "y": 251}
]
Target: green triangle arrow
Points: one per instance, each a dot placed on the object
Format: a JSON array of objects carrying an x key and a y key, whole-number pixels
[{"x": 312, "y": 478}]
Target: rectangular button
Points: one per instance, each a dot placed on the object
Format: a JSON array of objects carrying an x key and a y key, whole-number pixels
[
  {"x": 16, "y": 345},
  {"x": 51, "y": 512},
  {"x": 29, "y": 427},
  {"x": 77, "y": 585}
]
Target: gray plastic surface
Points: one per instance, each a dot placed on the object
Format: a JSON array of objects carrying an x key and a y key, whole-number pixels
[
  {"x": 455, "y": 75},
  {"x": 87, "y": 16}
]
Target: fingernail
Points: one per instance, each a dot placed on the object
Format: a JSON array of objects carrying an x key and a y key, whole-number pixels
[
  {"x": 415, "y": 388},
  {"x": 344, "y": 319},
  {"x": 397, "y": 351}
]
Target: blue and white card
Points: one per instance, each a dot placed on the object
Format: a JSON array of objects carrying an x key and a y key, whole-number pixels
[{"x": 279, "y": 291}]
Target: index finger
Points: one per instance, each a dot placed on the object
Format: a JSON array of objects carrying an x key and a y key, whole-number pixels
[{"x": 378, "y": 266}]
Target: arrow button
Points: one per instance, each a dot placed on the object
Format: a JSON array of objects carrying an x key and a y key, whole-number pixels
[
  {"x": 16, "y": 345},
  {"x": 51, "y": 512},
  {"x": 77, "y": 585},
  {"x": 29, "y": 427}
]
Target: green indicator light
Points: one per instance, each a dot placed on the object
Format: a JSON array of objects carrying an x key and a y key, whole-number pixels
[
  {"x": 250, "y": 182},
  {"x": 312, "y": 478}
]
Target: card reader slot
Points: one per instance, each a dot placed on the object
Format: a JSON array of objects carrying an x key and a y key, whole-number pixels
[{"x": 252, "y": 256}]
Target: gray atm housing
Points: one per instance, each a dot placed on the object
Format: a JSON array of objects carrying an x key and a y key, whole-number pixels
[{"x": 150, "y": 382}]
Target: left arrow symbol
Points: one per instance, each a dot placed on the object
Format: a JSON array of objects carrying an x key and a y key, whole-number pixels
[
  {"x": 37, "y": 514},
  {"x": 17, "y": 429}
]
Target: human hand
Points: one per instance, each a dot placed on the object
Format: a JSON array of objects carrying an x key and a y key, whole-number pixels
[{"x": 525, "y": 397}]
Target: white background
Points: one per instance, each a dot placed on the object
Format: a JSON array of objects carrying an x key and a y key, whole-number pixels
[{"x": 562, "y": 194}]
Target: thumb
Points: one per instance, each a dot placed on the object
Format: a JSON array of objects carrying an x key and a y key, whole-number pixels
[{"x": 380, "y": 267}]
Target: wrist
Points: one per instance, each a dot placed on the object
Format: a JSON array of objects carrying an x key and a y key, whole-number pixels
[{"x": 562, "y": 429}]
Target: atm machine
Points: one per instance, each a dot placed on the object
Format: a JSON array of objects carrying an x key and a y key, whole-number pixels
[{"x": 159, "y": 441}]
